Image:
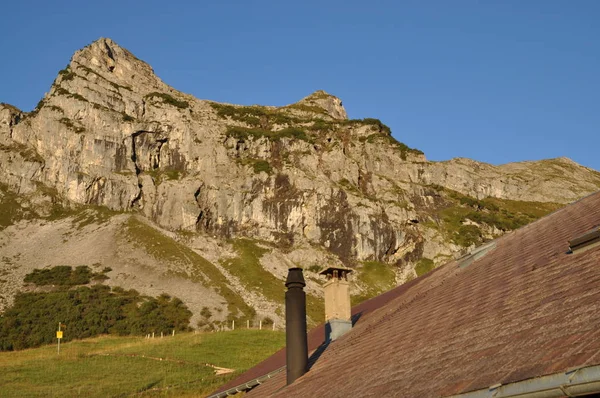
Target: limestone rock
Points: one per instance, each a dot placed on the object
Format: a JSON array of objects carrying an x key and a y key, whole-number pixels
[
  {"x": 331, "y": 104},
  {"x": 301, "y": 177}
]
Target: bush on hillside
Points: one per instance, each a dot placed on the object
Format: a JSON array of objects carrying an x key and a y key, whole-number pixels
[
  {"x": 62, "y": 275},
  {"x": 87, "y": 312}
]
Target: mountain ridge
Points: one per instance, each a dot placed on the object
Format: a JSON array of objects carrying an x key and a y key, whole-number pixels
[{"x": 251, "y": 190}]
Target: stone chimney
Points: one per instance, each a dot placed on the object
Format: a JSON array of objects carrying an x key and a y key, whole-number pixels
[
  {"x": 296, "y": 344},
  {"x": 337, "y": 302}
]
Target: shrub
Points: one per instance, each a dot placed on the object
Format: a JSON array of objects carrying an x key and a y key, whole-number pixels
[
  {"x": 168, "y": 99},
  {"x": 244, "y": 133},
  {"x": 205, "y": 312},
  {"x": 424, "y": 265},
  {"x": 467, "y": 235},
  {"x": 314, "y": 268},
  {"x": 39, "y": 105},
  {"x": 66, "y": 74},
  {"x": 373, "y": 122},
  {"x": 88, "y": 312},
  {"x": 308, "y": 108},
  {"x": 255, "y": 116},
  {"x": 322, "y": 125},
  {"x": 262, "y": 165},
  {"x": 67, "y": 122},
  {"x": 63, "y": 275}
]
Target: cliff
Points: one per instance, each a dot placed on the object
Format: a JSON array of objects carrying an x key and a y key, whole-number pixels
[{"x": 245, "y": 191}]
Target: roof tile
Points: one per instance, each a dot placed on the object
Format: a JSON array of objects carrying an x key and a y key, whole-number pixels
[{"x": 525, "y": 309}]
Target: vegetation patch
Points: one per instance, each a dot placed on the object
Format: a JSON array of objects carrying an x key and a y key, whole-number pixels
[
  {"x": 532, "y": 210},
  {"x": 244, "y": 133},
  {"x": 384, "y": 133},
  {"x": 14, "y": 208},
  {"x": 69, "y": 123},
  {"x": 56, "y": 109},
  {"x": 255, "y": 116},
  {"x": 424, "y": 265},
  {"x": 112, "y": 366},
  {"x": 254, "y": 277},
  {"x": 503, "y": 214},
  {"x": 349, "y": 187},
  {"x": 11, "y": 107},
  {"x": 314, "y": 268},
  {"x": 66, "y": 74},
  {"x": 160, "y": 175},
  {"x": 28, "y": 153},
  {"x": 125, "y": 116},
  {"x": 63, "y": 275},
  {"x": 258, "y": 165},
  {"x": 198, "y": 269},
  {"x": 308, "y": 108},
  {"x": 87, "y": 312},
  {"x": 323, "y": 125},
  {"x": 168, "y": 99},
  {"x": 319, "y": 94},
  {"x": 61, "y": 91},
  {"x": 375, "y": 278},
  {"x": 262, "y": 119},
  {"x": 11, "y": 209},
  {"x": 93, "y": 72},
  {"x": 35, "y": 110},
  {"x": 383, "y": 128},
  {"x": 92, "y": 214}
]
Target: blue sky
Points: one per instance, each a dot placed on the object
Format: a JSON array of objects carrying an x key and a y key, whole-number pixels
[{"x": 496, "y": 81}]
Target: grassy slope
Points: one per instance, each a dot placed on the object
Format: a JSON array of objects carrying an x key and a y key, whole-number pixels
[
  {"x": 127, "y": 366},
  {"x": 198, "y": 268},
  {"x": 504, "y": 214},
  {"x": 246, "y": 266},
  {"x": 376, "y": 278},
  {"x": 10, "y": 208}
]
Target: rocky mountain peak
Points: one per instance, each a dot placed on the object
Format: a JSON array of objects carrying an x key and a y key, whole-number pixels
[
  {"x": 298, "y": 185},
  {"x": 330, "y": 103},
  {"x": 107, "y": 59}
]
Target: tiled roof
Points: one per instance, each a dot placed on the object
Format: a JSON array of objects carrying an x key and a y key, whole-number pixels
[
  {"x": 525, "y": 309},
  {"x": 315, "y": 338}
]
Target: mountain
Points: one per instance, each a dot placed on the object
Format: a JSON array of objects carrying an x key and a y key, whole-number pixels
[{"x": 212, "y": 202}]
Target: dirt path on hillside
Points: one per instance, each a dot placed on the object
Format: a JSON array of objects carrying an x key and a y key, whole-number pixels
[{"x": 218, "y": 369}]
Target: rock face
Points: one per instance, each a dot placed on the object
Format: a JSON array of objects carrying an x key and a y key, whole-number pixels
[{"x": 111, "y": 133}]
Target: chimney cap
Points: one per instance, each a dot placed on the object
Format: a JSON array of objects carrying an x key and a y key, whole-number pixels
[
  {"x": 295, "y": 277},
  {"x": 330, "y": 270}
]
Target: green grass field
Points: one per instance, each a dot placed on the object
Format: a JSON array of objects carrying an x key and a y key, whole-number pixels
[{"x": 179, "y": 366}]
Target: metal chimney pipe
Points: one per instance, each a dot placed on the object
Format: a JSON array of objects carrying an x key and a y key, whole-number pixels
[{"x": 295, "y": 325}]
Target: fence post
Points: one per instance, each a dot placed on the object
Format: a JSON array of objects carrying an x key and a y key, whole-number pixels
[
  {"x": 232, "y": 325},
  {"x": 260, "y": 325}
]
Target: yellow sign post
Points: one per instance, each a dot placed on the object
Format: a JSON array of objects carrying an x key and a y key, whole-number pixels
[{"x": 59, "y": 335}]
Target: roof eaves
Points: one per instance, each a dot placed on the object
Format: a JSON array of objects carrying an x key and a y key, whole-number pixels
[
  {"x": 248, "y": 385},
  {"x": 573, "y": 382}
]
